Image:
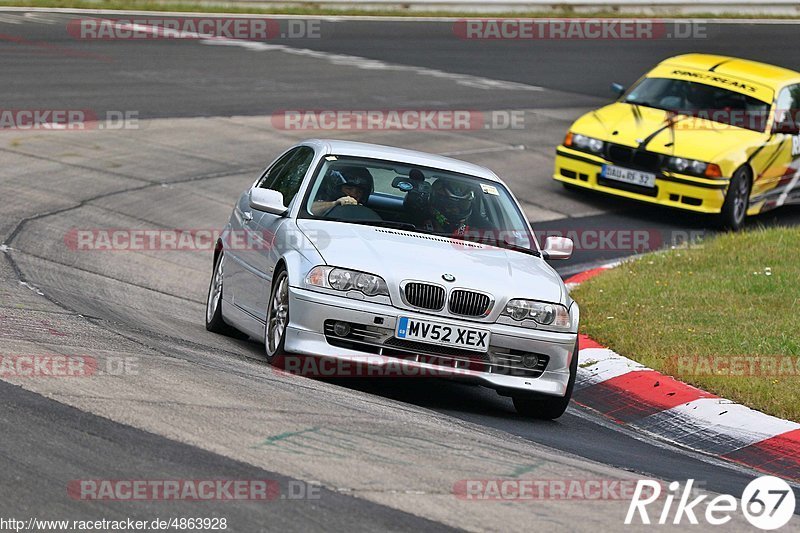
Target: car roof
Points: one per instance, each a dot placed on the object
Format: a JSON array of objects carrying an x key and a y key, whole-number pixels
[
  {"x": 401, "y": 155},
  {"x": 755, "y": 71}
]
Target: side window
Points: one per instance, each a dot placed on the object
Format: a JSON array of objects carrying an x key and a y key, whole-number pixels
[
  {"x": 787, "y": 106},
  {"x": 269, "y": 176},
  {"x": 287, "y": 179}
]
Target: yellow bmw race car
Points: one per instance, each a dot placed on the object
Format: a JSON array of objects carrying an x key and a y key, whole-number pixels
[{"x": 705, "y": 133}]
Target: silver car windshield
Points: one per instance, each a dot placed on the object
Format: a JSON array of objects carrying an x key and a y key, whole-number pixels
[{"x": 421, "y": 199}]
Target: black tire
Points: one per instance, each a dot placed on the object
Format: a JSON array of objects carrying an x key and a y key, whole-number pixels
[
  {"x": 544, "y": 407},
  {"x": 275, "y": 348},
  {"x": 214, "y": 321},
  {"x": 737, "y": 199}
]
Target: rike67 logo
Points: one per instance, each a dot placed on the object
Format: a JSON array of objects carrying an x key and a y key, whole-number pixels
[{"x": 768, "y": 503}]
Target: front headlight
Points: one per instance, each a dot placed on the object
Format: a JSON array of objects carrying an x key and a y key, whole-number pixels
[
  {"x": 342, "y": 279},
  {"x": 370, "y": 284},
  {"x": 546, "y": 314},
  {"x": 584, "y": 143},
  {"x": 696, "y": 168}
]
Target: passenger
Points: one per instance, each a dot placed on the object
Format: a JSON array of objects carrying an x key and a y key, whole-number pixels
[{"x": 450, "y": 207}]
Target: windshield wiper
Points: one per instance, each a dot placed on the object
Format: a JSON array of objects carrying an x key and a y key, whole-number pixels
[
  {"x": 380, "y": 223},
  {"x": 516, "y": 247},
  {"x": 494, "y": 242},
  {"x": 645, "y": 104}
]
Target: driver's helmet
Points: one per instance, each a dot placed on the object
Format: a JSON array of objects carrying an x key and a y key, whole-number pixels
[
  {"x": 338, "y": 177},
  {"x": 698, "y": 95},
  {"x": 452, "y": 199}
]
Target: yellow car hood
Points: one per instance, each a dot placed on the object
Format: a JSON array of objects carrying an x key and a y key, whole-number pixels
[{"x": 690, "y": 137}]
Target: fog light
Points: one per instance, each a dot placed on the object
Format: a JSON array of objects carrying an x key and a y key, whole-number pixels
[
  {"x": 341, "y": 329},
  {"x": 530, "y": 361}
]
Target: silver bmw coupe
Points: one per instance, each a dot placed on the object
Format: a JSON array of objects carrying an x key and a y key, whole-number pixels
[{"x": 345, "y": 251}]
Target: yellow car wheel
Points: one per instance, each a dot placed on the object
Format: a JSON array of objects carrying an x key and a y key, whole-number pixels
[{"x": 734, "y": 210}]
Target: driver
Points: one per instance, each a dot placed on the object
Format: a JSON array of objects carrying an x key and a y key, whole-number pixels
[
  {"x": 450, "y": 207},
  {"x": 345, "y": 185},
  {"x": 699, "y": 96}
]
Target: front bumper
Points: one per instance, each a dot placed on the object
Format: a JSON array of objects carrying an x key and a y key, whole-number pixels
[
  {"x": 306, "y": 335},
  {"x": 684, "y": 192}
]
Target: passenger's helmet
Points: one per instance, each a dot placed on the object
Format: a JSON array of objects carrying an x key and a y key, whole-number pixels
[{"x": 453, "y": 199}]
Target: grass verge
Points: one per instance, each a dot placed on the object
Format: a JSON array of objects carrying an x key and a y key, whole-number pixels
[
  {"x": 314, "y": 10},
  {"x": 723, "y": 316}
]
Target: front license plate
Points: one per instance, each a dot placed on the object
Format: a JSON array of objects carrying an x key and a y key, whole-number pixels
[
  {"x": 627, "y": 175},
  {"x": 476, "y": 340}
]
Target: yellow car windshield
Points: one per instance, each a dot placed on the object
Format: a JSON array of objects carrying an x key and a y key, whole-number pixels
[{"x": 701, "y": 100}]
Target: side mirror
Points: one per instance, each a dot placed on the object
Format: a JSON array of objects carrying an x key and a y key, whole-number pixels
[
  {"x": 268, "y": 201},
  {"x": 789, "y": 127},
  {"x": 618, "y": 89},
  {"x": 556, "y": 248}
]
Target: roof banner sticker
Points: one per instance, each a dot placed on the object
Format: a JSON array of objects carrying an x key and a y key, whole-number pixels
[
  {"x": 736, "y": 84},
  {"x": 722, "y": 80}
]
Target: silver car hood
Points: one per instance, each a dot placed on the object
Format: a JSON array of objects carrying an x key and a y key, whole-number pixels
[{"x": 397, "y": 255}]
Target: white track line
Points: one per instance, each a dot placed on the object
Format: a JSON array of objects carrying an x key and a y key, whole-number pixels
[
  {"x": 10, "y": 19},
  {"x": 475, "y": 82},
  {"x": 398, "y": 18}
]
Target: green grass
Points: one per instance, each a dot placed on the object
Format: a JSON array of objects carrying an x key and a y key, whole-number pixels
[
  {"x": 312, "y": 9},
  {"x": 734, "y": 295}
]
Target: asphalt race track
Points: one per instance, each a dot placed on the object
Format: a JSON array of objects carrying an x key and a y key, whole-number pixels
[{"x": 384, "y": 454}]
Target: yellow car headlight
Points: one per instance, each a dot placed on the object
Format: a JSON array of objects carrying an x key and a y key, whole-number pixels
[
  {"x": 693, "y": 167},
  {"x": 584, "y": 143}
]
